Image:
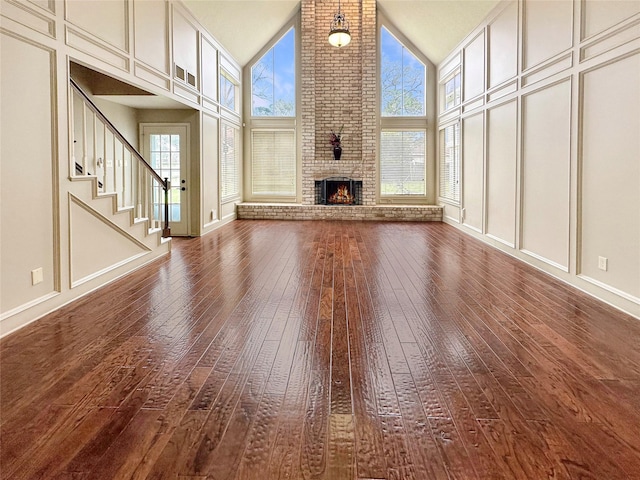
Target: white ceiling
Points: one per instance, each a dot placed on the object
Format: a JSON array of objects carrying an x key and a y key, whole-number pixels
[{"x": 435, "y": 27}]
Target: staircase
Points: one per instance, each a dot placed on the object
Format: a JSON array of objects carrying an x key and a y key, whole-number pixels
[{"x": 124, "y": 192}]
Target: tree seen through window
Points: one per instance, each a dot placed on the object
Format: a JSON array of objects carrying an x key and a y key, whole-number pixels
[
  {"x": 273, "y": 80},
  {"x": 402, "y": 79}
]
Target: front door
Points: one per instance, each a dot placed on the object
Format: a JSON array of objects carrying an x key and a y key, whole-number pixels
[{"x": 166, "y": 148}]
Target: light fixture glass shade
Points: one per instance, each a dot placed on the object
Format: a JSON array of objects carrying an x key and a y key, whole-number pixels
[
  {"x": 339, "y": 35},
  {"x": 339, "y": 38}
]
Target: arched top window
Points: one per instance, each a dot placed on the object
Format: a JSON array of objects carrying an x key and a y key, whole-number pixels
[
  {"x": 273, "y": 80},
  {"x": 402, "y": 79}
]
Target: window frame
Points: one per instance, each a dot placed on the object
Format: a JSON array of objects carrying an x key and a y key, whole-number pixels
[
  {"x": 224, "y": 74},
  {"x": 455, "y": 199},
  {"x": 259, "y": 57},
  {"x": 273, "y": 123},
  {"x": 237, "y": 195},
  {"x": 407, "y": 123},
  {"x": 443, "y": 91}
]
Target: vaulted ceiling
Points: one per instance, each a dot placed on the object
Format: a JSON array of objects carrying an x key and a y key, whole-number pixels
[{"x": 435, "y": 27}]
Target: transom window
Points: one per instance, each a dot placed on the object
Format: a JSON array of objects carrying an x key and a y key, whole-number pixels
[
  {"x": 273, "y": 85},
  {"x": 452, "y": 92},
  {"x": 402, "y": 79},
  {"x": 228, "y": 92}
]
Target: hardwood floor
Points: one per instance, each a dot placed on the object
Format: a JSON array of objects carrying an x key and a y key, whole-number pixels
[{"x": 333, "y": 350}]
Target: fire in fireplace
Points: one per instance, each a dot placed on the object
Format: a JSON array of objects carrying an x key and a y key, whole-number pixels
[{"x": 338, "y": 191}]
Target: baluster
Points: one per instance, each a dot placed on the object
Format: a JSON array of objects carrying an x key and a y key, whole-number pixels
[
  {"x": 139, "y": 185},
  {"x": 95, "y": 144},
  {"x": 104, "y": 158},
  {"x": 84, "y": 139},
  {"x": 114, "y": 167},
  {"x": 73, "y": 131},
  {"x": 147, "y": 202},
  {"x": 125, "y": 202}
]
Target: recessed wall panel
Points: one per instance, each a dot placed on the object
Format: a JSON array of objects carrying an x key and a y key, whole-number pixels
[
  {"x": 474, "y": 70},
  {"x": 501, "y": 164},
  {"x": 598, "y": 15},
  {"x": 473, "y": 170},
  {"x": 185, "y": 43},
  {"x": 106, "y": 19},
  {"x": 546, "y": 157},
  {"x": 610, "y": 192},
  {"x": 27, "y": 158},
  {"x": 548, "y": 30},
  {"x": 151, "y": 37},
  {"x": 209, "y": 70},
  {"x": 503, "y": 46}
]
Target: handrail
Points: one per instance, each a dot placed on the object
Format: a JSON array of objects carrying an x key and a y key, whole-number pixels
[{"x": 166, "y": 231}]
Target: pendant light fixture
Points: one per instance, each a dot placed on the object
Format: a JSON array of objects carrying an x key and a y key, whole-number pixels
[{"x": 339, "y": 35}]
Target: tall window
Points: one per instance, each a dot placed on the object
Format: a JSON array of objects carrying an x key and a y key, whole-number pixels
[
  {"x": 450, "y": 163},
  {"x": 230, "y": 161},
  {"x": 403, "y": 120},
  {"x": 272, "y": 173}
]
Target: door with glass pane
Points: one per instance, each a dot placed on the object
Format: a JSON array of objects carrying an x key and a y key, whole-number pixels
[{"x": 165, "y": 147}]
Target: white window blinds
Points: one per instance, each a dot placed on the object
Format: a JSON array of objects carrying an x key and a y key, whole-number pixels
[
  {"x": 450, "y": 163},
  {"x": 230, "y": 161},
  {"x": 273, "y": 162},
  {"x": 402, "y": 162}
]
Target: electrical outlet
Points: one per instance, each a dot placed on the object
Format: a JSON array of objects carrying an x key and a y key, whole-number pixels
[
  {"x": 603, "y": 263},
  {"x": 37, "y": 276},
  {"x": 213, "y": 214}
]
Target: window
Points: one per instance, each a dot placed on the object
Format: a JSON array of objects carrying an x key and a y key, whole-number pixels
[
  {"x": 271, "y": 172},
  {"x": 230, "y": 161},
  {"x": 403, "y": 131},
  {"x": 273, "y": 162},
  {"x": 273, "y": 85},
  {"x": 452, "y": 92},
  {"x": 450, "y": 163},
  {"x": 402, "y": 79},
  {"x": 403, "y": 169},
  {"x": 228, "y": 91},
  {"x": 165, "y": 159}
]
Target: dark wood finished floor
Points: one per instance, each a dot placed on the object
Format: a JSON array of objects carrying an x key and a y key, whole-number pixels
[{"x": 333, "y": 350}]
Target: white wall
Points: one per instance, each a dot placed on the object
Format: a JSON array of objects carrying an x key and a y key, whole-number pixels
[
  {"x": 51, "y": 220},
  {"x": 551, "y": 140}
]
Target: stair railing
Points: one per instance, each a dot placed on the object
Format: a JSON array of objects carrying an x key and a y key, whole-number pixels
[{"x": 120, "y": 168}]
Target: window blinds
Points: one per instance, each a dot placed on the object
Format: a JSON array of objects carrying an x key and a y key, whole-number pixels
[
  {"x": 402, "y": 162},
  {"x": 450, "y": 163},
  {"x": 273, "y": 162},
  {"x": 230, "y": 161}
]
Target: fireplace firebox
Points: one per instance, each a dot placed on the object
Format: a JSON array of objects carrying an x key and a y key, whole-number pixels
[{"x": 338, "y": 191}]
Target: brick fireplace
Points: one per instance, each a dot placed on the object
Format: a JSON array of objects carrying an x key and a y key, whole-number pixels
[{"x": 339, "y": 86}]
